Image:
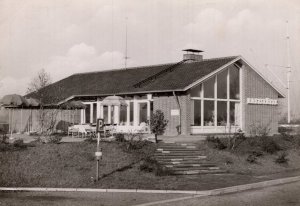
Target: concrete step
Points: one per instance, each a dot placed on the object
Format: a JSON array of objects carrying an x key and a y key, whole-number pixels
[
  {"x": 179, "y": 155},
  {"x": 177, "y": 149},
  {"x": 192, "y": 168},
  {"x": 196, "y": 172},
  {"x": 191, "y": 165},
  {"x": 176, "y": 157}
]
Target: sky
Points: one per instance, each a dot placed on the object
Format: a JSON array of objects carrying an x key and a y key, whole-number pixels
[{"x": 70, "y": 36}]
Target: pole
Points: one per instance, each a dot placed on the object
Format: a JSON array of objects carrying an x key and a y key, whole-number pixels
[
  {"x": 288, "y": 72},
  {"x": 98, "y": 158}
]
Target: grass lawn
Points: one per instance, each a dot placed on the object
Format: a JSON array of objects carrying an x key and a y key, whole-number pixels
[{"x": 74, "y": 165}]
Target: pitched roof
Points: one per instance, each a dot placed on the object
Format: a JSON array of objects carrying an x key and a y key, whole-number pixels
[{"x": 171, "y": 77}]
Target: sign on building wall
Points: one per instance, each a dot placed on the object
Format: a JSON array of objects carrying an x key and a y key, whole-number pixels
[
  {"x": 265, "y": 101},
  {"x": 174, "y": 112}
]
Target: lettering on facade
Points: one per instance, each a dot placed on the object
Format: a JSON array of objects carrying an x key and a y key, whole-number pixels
[{"x": 265, "y": 101}]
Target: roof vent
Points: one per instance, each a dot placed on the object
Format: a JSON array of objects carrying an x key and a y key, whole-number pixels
[{"x": 192, "y": 55}]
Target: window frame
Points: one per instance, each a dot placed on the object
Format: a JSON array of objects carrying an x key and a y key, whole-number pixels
[{"x": 216, "y": 100}]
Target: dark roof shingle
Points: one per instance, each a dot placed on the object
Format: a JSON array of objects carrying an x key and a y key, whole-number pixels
[{"x": 123, "y": 81}]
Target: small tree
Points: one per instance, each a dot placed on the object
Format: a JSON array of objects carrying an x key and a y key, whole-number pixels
[
  {"x": 41, "y": 80},
  {"x": 158, "y": 123}
]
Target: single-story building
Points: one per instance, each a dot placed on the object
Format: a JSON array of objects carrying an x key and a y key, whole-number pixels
[{"x": 196, "y": 95}]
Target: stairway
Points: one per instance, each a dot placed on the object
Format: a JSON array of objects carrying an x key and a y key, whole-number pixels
[{"x": 184, "y": 159}]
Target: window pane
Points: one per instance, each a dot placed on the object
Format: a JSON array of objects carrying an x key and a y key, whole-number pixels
[
  {"x": 87, "y": 113},
  {"x": 209, "y": 88},
  {"x": 131, "y": 113},
  {"x": 105, "y": 114},
  {"x": 222, "y": 85},
  {"x": 112, "y": 112},
  {"x": 234, "y": 113},
  {"x": 143, "y": 112},
  {"x": 197, "y": 112},
  {"x": 94, "y": 112},
  {"x": 195, "y": 92},
  {"x": 123, "y": 115},
  {"x": 234, "y": 83},
  {"x": 209, "y": 113},
  {"x": 222, "y": 113}
]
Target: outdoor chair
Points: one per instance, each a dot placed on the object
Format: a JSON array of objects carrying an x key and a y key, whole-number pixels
[{"x": 72, "y": 130}]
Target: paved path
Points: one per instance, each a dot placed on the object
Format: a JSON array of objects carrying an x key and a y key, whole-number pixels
[
  {"x": 283, "y": 195},
  {"x": 80, "y": 198}
]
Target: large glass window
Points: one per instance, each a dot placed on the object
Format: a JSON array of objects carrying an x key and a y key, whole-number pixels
[
  {"x": 209, "y": 91},
  {"x": 215, "y": 100},
  {"x": 143, "y": 112},
  {"x": 123, "y": 114},
  {"x": 222, "y": 85},
  {"x": 234, "y": 83},
  {"x": 131, "y": 113},
  {"x": 112, "y": 116},
  {"x": 234, "y": 113},
  {"x": 221, "y": 113},
  {"x": 88, "y": 113},
  {"x": 209, "y": 113},
  {"x": 105, "y": 114},
  {"x": 197, "y": 112},
  {"x": 196, "y": 91}
]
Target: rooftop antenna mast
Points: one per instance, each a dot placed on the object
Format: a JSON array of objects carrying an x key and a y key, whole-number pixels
[
  {"x": 289, "y": 70},
  {"x": 126, "y": 57}
]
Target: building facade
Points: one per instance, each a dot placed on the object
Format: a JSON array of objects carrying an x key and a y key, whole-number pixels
[{"x": 196, "y": 95}]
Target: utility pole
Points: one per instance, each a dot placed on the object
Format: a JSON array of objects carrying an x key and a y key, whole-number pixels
[
  {"x": 289, "y": 70},
  {"x": 126, "y": 57}
]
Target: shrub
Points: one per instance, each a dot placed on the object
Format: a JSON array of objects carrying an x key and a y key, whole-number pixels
[
  {"x": 236, "y": 140},
  {"x": 269, "y": 145},
  {"x": 282, "y": 158},
  {"x": 287, "y": 137},
  {"x": 19, "y": 143},
  {"x": 151, "y": 165},
  {"x": 120, "y": 137},
  {"x": 158, "y": 124},
  {"x": 55, "y": 139},
  {"x": 216, "y": 142},
  {"x": 251, "y": 158}
]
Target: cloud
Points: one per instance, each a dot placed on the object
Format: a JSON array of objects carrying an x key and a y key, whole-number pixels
[
  {"x": 83, "y": 58},
  {"x": 11, "y": 85}
]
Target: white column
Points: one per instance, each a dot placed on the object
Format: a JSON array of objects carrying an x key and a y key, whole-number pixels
[
  {"x": 128, "y": 113},
  {"x": 82, "y": 111},
  {"x": 148, "y": 111},
  {"x": 135, "y": 112},
  {"x": 101, "y": 111},
  {"x": 91, "y": 112},
  {"x": 98, "y": 109},
  {"x": 109, "y": 115},
  {"x": 116, "y": 114}
]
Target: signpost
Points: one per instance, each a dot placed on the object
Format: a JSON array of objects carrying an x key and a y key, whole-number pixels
[{"x": 98, "y": 153}]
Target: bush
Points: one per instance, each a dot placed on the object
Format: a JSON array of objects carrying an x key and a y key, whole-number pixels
[
  {"x": 216, "y": 142},
  {"x": 251, "y": 158},
  {"x": 158, "y": 123},
  {"x": 120, "y": 137},
  {"x": 151, "y": 165},
  {"x": 282, "y": 158},
  {"x": 19, "y": 143},
  {"x": 55, "y": 139},
  {"x": 236, "y": 140},
  {"x": 269, "y": 145}
]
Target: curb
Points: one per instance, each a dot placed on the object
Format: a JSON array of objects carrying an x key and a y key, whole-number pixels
[{"x": 219, "y": 191}]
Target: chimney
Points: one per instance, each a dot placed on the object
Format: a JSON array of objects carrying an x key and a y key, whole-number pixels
[{"x": 192, "y": 55}]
